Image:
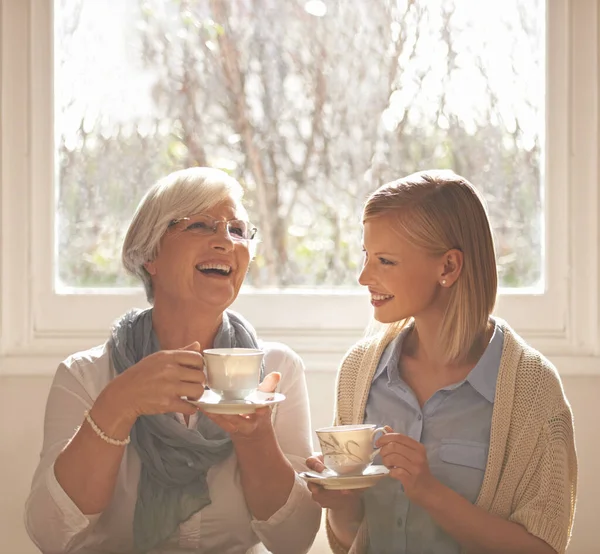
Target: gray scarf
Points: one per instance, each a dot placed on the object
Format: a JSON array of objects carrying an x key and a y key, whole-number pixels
[{"x": 175, "y": 459}]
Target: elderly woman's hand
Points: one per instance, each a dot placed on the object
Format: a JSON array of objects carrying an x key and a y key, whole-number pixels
[
  {"x": 250, "y": 426},
  {"x": 158, "y": 384}
]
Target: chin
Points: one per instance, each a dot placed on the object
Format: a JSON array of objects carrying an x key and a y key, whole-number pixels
[
  {"x": 213, "y": 296},
  {"x": 213, "y": 302},
  {"x": 386, "y": 317},
  {"x": 218, "y": 303},
  {"x": 386, "y": 320}
]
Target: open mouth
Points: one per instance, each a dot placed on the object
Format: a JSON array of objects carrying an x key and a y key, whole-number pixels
[
  {"x": 380, "y": 299},
  {"x": 381, "y": 296},
  {"x": 214, "y": 269}
]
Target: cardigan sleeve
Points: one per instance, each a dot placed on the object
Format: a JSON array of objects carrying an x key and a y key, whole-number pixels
[
  {"x": 352, "y": 386},
  {"x": 346, "y": 382},
  {"x": 545, "y": 502},
  {"x": 334, "y": 544},
  {"x": 360, "y": 544},
  {"x": 344, "y": 395}
]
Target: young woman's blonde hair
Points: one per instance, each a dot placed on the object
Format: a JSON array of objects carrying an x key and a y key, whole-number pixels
[{"x": 438, "y": 210}]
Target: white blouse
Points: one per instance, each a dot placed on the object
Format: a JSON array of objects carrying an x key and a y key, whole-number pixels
[{"x": 225, "y": 526}]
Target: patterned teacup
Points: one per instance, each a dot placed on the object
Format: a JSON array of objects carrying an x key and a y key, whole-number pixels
[{"x": 348, "y": 449}]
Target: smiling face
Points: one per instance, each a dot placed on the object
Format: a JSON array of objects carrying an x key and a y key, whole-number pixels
[
  {"x": 204, "y": 270},
  {"x": 403, "y": 280}
]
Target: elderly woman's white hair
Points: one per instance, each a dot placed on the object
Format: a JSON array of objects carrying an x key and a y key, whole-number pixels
[{"x": 179, "y": 194}]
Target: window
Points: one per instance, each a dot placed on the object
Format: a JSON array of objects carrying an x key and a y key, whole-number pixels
[
  {"x": 311, "y": 105},
  {"x": 549, "y": 252}
]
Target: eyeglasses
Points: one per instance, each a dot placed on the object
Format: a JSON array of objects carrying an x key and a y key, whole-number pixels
[{"x": 204, "y": 224}]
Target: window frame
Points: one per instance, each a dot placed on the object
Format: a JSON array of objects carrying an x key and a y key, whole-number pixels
[{"x": 38, "y": 325}]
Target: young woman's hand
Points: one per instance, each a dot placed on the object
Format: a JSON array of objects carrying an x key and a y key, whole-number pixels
[{"x": 407, "y": 462}]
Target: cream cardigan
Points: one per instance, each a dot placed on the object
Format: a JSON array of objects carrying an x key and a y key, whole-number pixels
[{"x": 531, "y": 472}]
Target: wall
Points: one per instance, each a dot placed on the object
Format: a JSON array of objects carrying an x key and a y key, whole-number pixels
[{"x": 22, "y": 401}]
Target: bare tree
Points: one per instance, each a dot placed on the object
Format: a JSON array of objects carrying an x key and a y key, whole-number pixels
[{"x": 312, "y": 113}]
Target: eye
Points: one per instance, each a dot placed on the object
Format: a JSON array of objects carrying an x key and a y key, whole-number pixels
[
  {"x": 198, "y": 226},
  {"x": 237, "y": 228},
  {"x": 384, "y": 261}
]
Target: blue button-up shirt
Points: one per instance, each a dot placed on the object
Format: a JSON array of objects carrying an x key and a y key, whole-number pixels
[{"x": 453, "y": 425}]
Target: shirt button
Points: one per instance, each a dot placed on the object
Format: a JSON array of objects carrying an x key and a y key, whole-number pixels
[
  {"x": 399, "y": 522},
  {"x": 419, "y": 417}
]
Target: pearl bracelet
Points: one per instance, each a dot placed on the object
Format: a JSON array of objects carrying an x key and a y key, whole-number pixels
[{"x": 102, "y": 435}]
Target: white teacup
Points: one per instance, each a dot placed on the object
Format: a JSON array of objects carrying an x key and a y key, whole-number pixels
[
  {"x": 348, "y": 449},
  {"x": 233, "y": 373}
]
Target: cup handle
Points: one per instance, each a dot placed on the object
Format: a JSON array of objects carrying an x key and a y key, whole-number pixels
[
  {"x": 206, "y": 387},
  {"x": 373, "y": 433}
]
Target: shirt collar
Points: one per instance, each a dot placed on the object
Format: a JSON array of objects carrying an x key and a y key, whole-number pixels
[
  {"x": 388, "y": 363},
  {"x": 482, "y": 377}
]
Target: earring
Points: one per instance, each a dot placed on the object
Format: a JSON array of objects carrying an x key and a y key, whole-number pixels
[{"x": 443, "y": 281}]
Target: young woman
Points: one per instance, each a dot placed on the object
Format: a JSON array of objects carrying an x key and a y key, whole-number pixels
[{"x": 480, "y": 451}]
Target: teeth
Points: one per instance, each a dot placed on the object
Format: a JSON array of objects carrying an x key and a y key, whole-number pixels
[
  {"x": 381, "y": 296},
  {"x": 219, "y": 267}
]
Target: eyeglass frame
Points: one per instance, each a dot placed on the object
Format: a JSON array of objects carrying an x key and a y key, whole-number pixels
[{"x": 215, "y": 227}]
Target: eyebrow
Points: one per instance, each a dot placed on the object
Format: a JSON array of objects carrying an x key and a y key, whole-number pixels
[
  {"x": 383, "y": 253},
  {"x": 193, "y": 218}
]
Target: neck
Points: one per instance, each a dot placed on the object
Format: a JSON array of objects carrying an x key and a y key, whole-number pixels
[
  {"x": 423, "y": 344},
  {"x": 177, "y": 326}
]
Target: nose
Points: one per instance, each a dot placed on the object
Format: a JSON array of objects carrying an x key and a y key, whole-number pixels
[
  {"x": 221, "y": 239},
  {"x": 365, "y": 278}
]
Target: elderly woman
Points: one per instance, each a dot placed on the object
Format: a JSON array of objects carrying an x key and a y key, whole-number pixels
[{"x": 127, "y": 464}]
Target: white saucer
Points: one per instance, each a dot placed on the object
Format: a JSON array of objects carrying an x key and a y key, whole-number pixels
[
  {"x": 212, "y": 403},
  {"x": 332, "y": 481}
]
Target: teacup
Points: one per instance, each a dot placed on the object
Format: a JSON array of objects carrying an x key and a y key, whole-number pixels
[
  {"x": 233, "y": 373},
  {"x": 348, "y": 449}
]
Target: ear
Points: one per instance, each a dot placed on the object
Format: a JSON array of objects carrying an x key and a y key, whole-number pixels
[
  {"x": 452, "y": 267},
  {"x": 150, "y": 267}
]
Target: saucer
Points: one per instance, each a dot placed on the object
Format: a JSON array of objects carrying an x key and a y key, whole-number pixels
[
  {"x": 212, "y": 403},
  {"x": 332, "y": 481}
]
